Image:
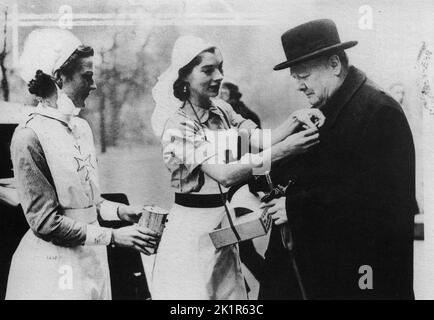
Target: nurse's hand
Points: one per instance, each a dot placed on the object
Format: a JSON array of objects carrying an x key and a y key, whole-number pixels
[
  {"x": 300, "y": 142},
  {"x": 137, "y": 237},
  {"x": 309, "y": 118},
  {"x": 130, "y": 213}
]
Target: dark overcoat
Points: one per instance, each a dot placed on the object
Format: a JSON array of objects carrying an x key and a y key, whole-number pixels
[{"x": 352, "y": 205}]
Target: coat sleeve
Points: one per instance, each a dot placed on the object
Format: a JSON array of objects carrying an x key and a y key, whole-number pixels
[
  {"x": 387, "y": 174},
  {"x": 39, "y": 199}
]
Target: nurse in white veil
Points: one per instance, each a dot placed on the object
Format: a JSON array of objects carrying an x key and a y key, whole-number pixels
[{"x": 187, "y": 114}]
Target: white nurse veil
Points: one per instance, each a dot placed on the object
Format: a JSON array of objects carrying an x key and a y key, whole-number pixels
[
  {"x": 186, "y": 48},
  {"x": 47, "y": 50}
]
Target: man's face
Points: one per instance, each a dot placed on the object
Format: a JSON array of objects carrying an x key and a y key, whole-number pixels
[
  {"x": 314, "y": 79},
  {"x": 78, "y": 87}
]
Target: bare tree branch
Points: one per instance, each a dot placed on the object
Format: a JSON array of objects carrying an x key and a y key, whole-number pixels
[
  {"x": 118, "y": 81},
  {"x": 3, "y": 54}
]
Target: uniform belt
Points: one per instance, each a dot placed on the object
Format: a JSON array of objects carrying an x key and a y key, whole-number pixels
[{"x": 200, "y": 200}]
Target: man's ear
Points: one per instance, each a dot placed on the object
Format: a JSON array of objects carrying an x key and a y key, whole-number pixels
[{"x": 335, "y": 64}]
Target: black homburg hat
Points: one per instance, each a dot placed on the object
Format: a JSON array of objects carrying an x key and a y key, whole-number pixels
[{"x": 311, "y": 40}]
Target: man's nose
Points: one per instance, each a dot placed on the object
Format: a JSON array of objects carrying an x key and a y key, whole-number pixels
[{"x": 301, "y": 86}]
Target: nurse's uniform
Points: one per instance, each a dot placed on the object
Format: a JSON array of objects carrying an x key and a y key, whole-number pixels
[
  {"x": 187, "y": 264},
  {"x": 41, "y": 269}
]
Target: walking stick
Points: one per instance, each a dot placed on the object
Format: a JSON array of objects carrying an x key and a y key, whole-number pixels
[
  {"x": 288, "y": 244},
  {"x": 287, "y": 238}
]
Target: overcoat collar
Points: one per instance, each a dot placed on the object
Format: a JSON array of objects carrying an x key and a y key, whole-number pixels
[{"x": 354, "y": 80}]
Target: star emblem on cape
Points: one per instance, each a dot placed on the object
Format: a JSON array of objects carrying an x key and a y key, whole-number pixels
[{"x": 84, "y": 164}]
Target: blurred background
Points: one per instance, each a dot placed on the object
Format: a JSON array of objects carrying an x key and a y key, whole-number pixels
[{"x": 133, "y": 42}]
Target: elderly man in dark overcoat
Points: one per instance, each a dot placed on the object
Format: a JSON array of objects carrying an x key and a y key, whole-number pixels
[{"x": 348, "y": 211}]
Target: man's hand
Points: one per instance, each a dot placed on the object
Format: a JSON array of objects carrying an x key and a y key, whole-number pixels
[
  {"x": 309, "y": 118},
  {"x": 276, "y": 208}
]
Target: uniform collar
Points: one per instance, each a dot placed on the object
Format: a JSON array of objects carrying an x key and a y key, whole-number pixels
[
  {"x": 211, "y": 112},
  {"x": 53, "y": 113},
  {"x": 203, "y": 114},
  {"x": 331, "y": 109}
]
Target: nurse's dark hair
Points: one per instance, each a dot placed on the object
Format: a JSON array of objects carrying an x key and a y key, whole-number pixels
[
  {"x": 42, "y": 85},
  {"x": 181, "y": 88}
]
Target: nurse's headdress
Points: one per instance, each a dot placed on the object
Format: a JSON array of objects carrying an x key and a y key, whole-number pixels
[
  {"x": 46, "y": 50},
  {"x": 186, "y": 48}
]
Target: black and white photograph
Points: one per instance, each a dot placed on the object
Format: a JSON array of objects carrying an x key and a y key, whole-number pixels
[{"x": 224, "y": 150}]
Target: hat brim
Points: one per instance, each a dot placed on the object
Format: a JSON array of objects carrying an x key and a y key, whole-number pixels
[{"x": 317, "y": 53}]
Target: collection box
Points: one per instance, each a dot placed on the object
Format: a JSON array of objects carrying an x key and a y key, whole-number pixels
[{"x": 249, "y": 226}]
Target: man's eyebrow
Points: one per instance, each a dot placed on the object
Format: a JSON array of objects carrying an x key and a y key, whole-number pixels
[
  {"x": 300, "y": 73},
  {"x": 208, "y": 66}
]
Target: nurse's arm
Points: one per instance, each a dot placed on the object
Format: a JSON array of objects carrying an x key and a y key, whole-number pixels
[
  {"x": 39, "y": 200},
  {"x": 238, "y": 171},
  {"x": 307, "y": 118},
  {"x": 260, "y": 140}
]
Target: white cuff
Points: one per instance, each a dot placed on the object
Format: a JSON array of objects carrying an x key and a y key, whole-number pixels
[
  {"x": 261, "y": 162},
  {"x": 97, "y": 236},
  {"x": 252, "y": 158},
  {"x": 108, "y": 210},
  {"x": 261, "y": 138},
  {"x": 266, "y": 158}
]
